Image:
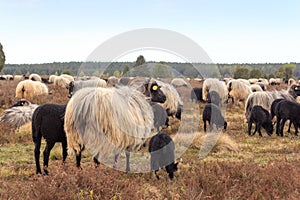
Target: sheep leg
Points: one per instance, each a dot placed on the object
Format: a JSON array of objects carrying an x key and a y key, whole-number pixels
[
  {"x": 127, "y": 161},
  {"x": 64, "y": 150},
  {"x": 278, "y": 126},
  {"x": 37, "y": 145},
  {"x": 96, "y": 161},
  {"x": 296, "y": 129},
  {"x": 78, "y": 159},
  {"x": 116, "y": 160},
  {"x": 47, "y": 150},
  {"x": 259, "y": 129},
  {"x": 249, "y": 127},
  {"x": 204, "y": 123},
  {"x": 282, "y": 126},
  {"x": 290, "y": 124}
]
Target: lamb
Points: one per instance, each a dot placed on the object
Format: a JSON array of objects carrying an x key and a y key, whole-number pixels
[
  {"x": 109, "y": 120},
  {"x": 35, "y": 77},
  {"x": 213, "y": 115},
  {"x": 196, "y": 94},
  {"x": 261, "y": 118},
  {"x": 160, "y": 116},
  {"x": 48, "y": 122},
  {"x": 287, "y": 110},
  {"x": 29, "y": 89},
  {"x": 162, "y": 152},
  {"x": 214, "y": 97}
]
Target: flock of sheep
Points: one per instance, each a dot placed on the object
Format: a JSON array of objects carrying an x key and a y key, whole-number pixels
[{"x": 117, "y": 115}]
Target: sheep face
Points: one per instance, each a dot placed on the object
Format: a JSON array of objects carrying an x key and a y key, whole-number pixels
[
  {"x": 269, "y": 128},
  {"x": 156, "y": 94}
]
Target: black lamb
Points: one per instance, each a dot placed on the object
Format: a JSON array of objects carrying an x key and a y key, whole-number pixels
[
  {"x": 287, "y": 110},
  {"x": 213, "y": 115},
  {"x": 162, "y": 151},
  {"x": 261, "y": 118},
  {"x": 214, "y": 97},
  {"x": 196, "y": 94},
  {"x": 48, "y": 122},
  {"x": 160, "y": 116}
]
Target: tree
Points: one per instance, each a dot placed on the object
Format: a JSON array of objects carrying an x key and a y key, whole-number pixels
[
  {"x": 241, "y": 72},
  {"x": 126, "y": 69},
  {"x": 255, "y": 73},
  {"x": 2, "y": 57},
  {"x": 139, "y": 61},
  {"x": 280, "y": 72}
]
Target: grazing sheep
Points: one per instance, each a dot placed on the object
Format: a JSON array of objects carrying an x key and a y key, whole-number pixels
[
  {"x": 216, "y": 85},
  {"x": 74, "y": 86},
  {"x": 196, "y": 94},
  {"x": 261, "y": 118},
  {"x": 48, "y": 122},
  {"x": 60, "y": 81},
  {"x": 9, "y": 77},
  {"x": 160, "y": 116},
  {"x": 124, "y": 80},
  {"x": 275, "y": 81},
  {"x": 262, "y": 85},
  {"x": 29, "y": 89},
  {"x": 245, "y": 81},
  {"x": 255, "y": 88},
  {"x": 67, "y": 76},
  {"x": 214, "y": 97},
  {"x": 294, "y": 90},
  {"x": 35, "y": 77},
  {"x": 19, "y": 78},
  {"x": 273, "y": 112},
  {"x": 112, "y": 81},
  {"x": 162, "y": 154},
  {"x": 213, "y": 115},
  {"x": 264, "y": 99},
  {"x": 109, "y": 120},
  {"x": 179, "y": 82},
  {"x": 253, "y": 80},
  {"x": 238, "y": 90},
  {"x": 287, "y": 110},
  {"x": 291, "y": 81},
  {"x": 52, "y": 78},
  {"x": 19, "y": 114}
]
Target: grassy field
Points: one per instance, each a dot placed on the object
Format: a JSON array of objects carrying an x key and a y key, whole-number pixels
[{"x": 238, "y": 167}]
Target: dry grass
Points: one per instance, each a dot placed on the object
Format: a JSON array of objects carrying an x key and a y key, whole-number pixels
[{"x": 237, "y": 166}]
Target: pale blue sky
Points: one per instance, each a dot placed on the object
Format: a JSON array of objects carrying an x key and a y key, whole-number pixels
[{"x": 230, "y": 31}]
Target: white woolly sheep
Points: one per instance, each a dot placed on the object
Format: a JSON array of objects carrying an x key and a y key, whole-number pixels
[
  {"x": 107, "y": 120},
  {"x": 238, "y": 90},
  {"x": 256, "y": 88},
  {"x": 67, "y": 76},
  {"x": 52, "y": 78},
  {"x": 35, "y": 77},
  {"x": 29, "y": 89},
  {"x": 74, "y": 86},
  {"x": 179, "y": 82},
  {"x": 60, "y": 81},
  {"x": 19, "y": 78},
  {"x": 216, "y": 85}
]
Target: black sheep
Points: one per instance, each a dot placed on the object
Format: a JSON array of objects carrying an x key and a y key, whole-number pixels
[
  {"x": 160, "y": 116},
  {"x": 273, "y": 110},
  {"x": 213, "y": 115},
  {"x": 287, "y": 110},
  {"x": 196, "y": 94},
  {"x": 48, "y": 122},
  {"x": 162, "y": 151},
  {"x": 261, "y": 118},
  {"x": 214, "y": 97}
]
